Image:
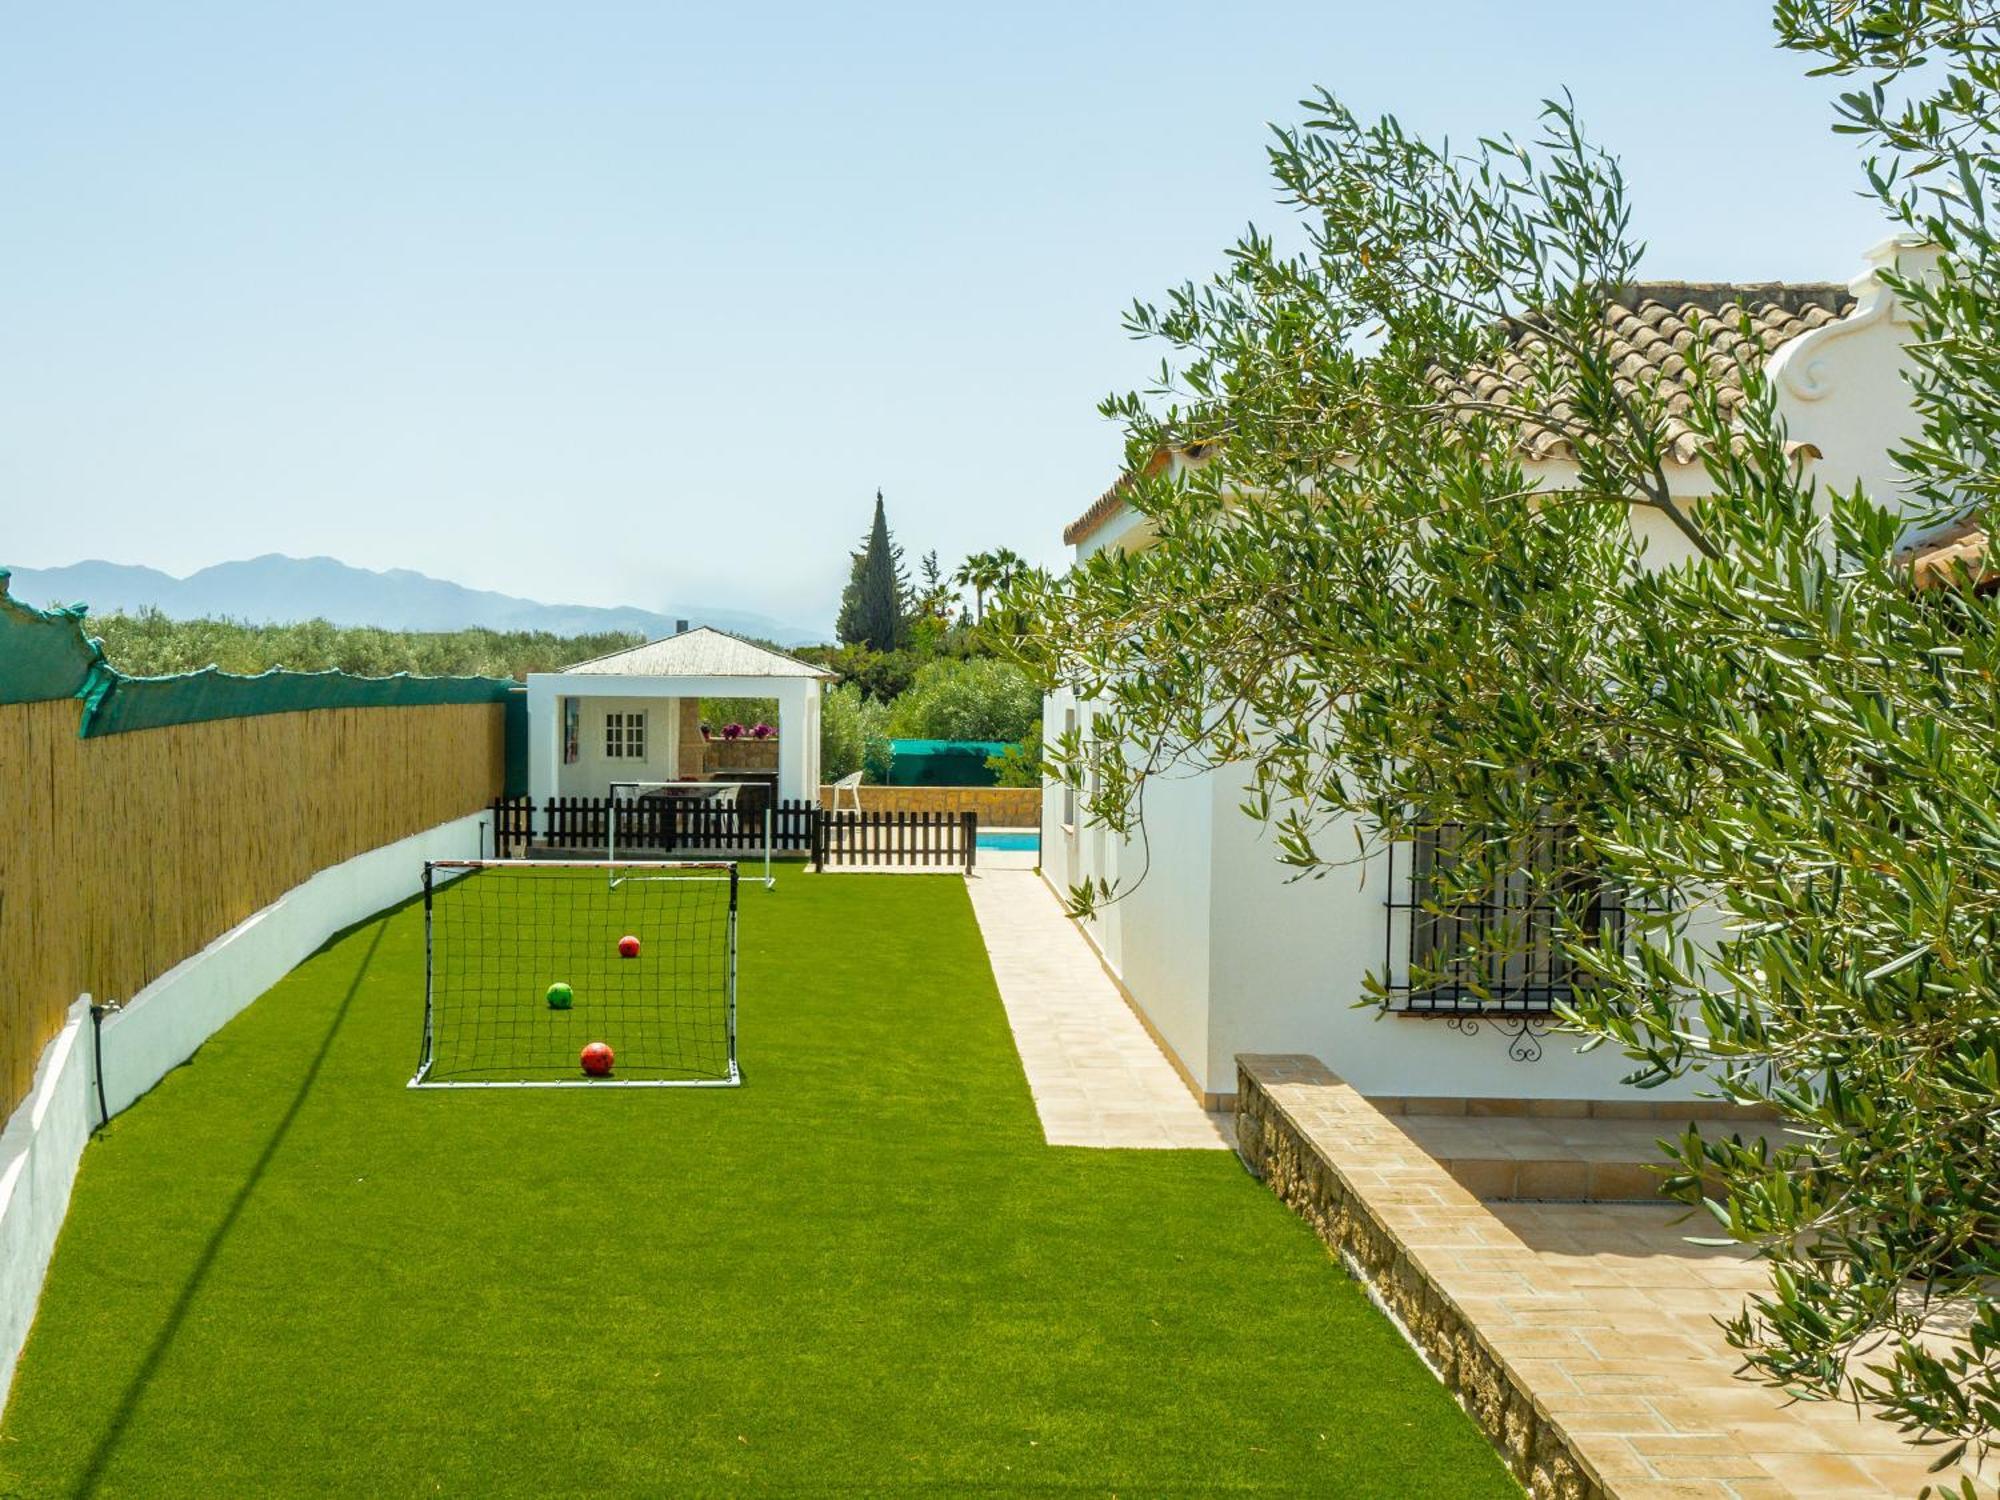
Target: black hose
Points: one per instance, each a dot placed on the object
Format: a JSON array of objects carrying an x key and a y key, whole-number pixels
[{"x": 97, "y": 1049}]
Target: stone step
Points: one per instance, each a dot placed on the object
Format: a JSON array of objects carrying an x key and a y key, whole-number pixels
[{"x": 1578, "y": 1160}]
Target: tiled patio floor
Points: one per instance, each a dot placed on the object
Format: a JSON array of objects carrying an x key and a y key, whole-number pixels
[
  {"x": 1097, "y": 1077},
  {"x": 1640, "y": 1342},
  {"x": 1600, "y": 1316}
]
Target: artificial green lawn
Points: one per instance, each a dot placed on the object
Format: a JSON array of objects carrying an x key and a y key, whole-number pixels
[{"x": 863, "y": 1271}]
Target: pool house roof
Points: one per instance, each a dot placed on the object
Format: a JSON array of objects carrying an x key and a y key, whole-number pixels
[{"x": 701, "y": 652}]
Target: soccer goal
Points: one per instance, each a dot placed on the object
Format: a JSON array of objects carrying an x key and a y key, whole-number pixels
[
  {"x": 548, "y": 973},
  {"x": 686, "y": 817}
]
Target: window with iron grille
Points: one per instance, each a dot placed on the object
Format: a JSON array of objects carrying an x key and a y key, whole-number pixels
[
  {"x": 625, "y": 736},
  {"x": 1498, "y": 951}
]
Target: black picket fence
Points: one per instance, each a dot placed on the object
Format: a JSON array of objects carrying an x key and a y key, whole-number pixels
[
  {"x": 936, "y": 840},
  {"x": 669, "y": 826}
]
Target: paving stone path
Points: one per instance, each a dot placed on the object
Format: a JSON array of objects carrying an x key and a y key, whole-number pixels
[{"x": 1097, "y": 1077}]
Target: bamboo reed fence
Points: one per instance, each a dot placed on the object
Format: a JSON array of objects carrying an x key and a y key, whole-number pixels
[{"x": 122, "y": 855}]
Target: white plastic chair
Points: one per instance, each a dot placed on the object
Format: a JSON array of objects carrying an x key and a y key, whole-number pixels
[{"x": 850, "y": 784}]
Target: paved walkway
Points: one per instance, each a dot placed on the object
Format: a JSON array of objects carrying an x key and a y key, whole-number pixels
[{"x": 1097, "y": 1077}]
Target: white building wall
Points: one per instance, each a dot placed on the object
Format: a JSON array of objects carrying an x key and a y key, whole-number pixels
[
  {"x": 1160, "y": 934},
  {"x": 1155, "y": 937},
  {"x": 1058, "y": 856},
  {"x": 593, "y": 771},
  {"x": 1290, "y": 960},
  {"x": 1844, "y": 387}
]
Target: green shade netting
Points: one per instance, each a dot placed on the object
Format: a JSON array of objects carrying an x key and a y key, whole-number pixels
[
  {"x": 44, "y": 655},
  {"x": 942, "y": 762},
  {"x": 128, "y": 703}
]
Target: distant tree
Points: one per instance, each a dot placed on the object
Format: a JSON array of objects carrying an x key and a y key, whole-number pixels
[
  {"x": 872, "y": 607},
  {"x": 988, "y": 573},
  {"x": 934, "y": 597},
  {"x": 1020, "y": 764},
  {"x": 149, "y": 643}
]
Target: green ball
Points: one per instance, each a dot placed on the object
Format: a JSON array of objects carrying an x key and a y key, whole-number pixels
[{"x": 560, "y": 996}]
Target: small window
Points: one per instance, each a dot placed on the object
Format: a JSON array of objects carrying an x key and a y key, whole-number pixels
[
  {"x": 1069, "y": 787},
  {"x": 625, "y": 736},
  {"x": 1502, "y": 949}
]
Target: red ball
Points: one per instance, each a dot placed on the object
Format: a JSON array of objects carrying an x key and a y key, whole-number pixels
[
  {"x": 628, "y": 946},
  {"x": 597, "y": 1060}
]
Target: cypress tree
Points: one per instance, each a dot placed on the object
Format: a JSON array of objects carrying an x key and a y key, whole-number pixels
[{"x": 872, "y": 606}]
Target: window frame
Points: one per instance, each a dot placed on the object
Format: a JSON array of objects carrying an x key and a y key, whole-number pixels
[{"x": 625, "y": 734}]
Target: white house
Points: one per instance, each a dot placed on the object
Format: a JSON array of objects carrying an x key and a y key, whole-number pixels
[
  {"x": 1220, "y": 953},
  {"x": 633, "y": 716}
]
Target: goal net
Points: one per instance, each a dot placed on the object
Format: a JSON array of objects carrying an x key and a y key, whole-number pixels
[
  {"x": 531, "y": 964},
  {"x": 689, "y": 819}
]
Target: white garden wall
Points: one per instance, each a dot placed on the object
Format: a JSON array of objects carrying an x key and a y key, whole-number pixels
[{"x": 41, "y": 1146}]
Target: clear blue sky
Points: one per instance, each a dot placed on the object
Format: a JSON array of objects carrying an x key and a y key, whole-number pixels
[{"x": 639, "y": 303}]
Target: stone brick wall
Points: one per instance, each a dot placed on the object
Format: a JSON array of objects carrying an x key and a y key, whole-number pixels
[
  {"x": 746, "y": 754},
  {"x": 997, "y": 806}
]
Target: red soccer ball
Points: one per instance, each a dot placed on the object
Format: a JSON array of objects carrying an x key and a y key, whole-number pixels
[
  {"x": 597, "y": 1060},
  {"x": 628, "y": 946}
]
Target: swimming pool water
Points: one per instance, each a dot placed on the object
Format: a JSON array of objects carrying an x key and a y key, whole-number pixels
[{"x": 1004, "y": 838}]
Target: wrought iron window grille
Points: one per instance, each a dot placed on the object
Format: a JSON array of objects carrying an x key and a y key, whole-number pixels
[{"x": 1498, "y": 956}]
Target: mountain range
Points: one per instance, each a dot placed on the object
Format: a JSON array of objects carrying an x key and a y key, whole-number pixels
[{"x": 275, "y": 589}]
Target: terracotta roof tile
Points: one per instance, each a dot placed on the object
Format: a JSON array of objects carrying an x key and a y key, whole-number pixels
[
  {"x": 1108, "y": 504},
  {"x": 1652, "y": 332},
  {"x": 1936, "y": 560}
]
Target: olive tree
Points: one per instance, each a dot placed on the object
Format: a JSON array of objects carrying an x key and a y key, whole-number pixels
[{"x": 1366, "y": 607}]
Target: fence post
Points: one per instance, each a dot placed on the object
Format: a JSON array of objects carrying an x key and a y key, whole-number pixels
[{"x": 969, "y": 831}]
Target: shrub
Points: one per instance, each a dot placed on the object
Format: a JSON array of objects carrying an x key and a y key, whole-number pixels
[
  {"x": 979, "y": 699},
  {"x": 1020, "y": 764},
  {"x": 853, "y": 735}
]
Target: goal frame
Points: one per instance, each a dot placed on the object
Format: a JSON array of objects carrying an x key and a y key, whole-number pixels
[
  {"x": 641, "y": 869},
  {"x": 638, "y": 788}
]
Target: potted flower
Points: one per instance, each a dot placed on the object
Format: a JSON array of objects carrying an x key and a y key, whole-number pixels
[
  {"x": 732, "y": 731},
  {"x": 707, "y": 733},
  {"x": 761, "y": 731}
]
